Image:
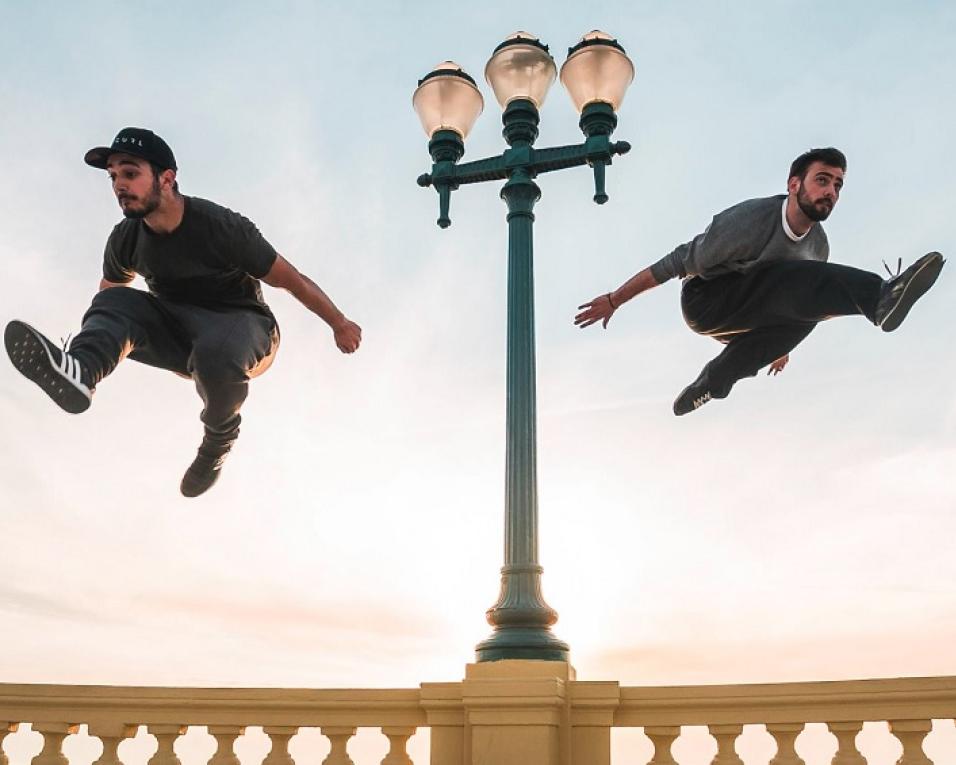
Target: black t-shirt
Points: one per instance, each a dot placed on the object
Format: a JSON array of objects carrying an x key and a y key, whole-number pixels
[{"x": 214, "y": 258}]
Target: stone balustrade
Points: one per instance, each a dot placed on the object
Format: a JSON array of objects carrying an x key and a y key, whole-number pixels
[
  {"x": 907, "y": 705},
  {"x": 503, "y": 713}
]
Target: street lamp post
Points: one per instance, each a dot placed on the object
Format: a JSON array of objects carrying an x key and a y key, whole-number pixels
[{"x": 596, "y": 74}]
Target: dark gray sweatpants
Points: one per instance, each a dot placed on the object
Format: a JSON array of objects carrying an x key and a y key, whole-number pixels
[
  {"x": 764, "y": 314},
  {"x": 220, "y": 349}
]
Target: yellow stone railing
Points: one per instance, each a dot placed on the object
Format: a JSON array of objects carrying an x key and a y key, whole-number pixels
[
  {"x": 908, "y": 705},
  {"x": 503, "y": 713}
]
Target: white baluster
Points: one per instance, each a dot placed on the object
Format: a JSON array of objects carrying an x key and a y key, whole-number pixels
[
  {"x": 847, "y": 753},
  {"x": 339, "y": 739},
  {"x": 53, "y": 735},
  {"x": 398, "y": 741},
  {"x": 785, "y": 734},
  {"x": 911, "y": 734},
  {"x": 663, "y": 739},
  {"x": 726, "y": 735},
  {"x": 111, "y": 735},
  {"x": 6, "y": 728},
  {"x": 225, "y": 736},
  {"x": 280, "y": 736},
  {"x": 166, "y": 736}
]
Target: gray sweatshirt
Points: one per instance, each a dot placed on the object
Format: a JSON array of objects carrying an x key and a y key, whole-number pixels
[{"x": 740, "y": 238}]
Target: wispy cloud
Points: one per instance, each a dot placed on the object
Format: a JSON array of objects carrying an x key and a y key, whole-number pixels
[{"x": 13, "y": 600}]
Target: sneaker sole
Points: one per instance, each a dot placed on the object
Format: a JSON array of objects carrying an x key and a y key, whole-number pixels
[
  {"x": 922, "y": 280},
  {"x": 31, "y": 358},
  {"x": 191, "y": 488}
]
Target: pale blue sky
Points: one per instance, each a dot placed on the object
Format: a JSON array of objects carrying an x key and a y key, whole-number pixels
[{"x": 800, "y": 530}]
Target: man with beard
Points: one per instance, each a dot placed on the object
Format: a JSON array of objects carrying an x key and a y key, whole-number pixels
[
  {"x": 757, "y": 279},
  {"x": 204, "y": 316}
]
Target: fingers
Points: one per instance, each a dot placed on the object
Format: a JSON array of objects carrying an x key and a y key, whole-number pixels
[
  {"x": 596, "y": 310},
  {"x": 592, "y": 317}
]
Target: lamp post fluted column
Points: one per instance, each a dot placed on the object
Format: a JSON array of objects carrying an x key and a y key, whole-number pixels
[
  {"x": 447, "y": 101},
  {"x": 521, "y": 618}
]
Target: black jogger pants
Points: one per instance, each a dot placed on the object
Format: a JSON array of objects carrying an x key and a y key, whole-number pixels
[
  {"x": 220, "y": 349},
  {"x": 764, "y": 314}
]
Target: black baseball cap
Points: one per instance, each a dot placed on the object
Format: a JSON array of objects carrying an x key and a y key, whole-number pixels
[{"x": 139, "y": 142}]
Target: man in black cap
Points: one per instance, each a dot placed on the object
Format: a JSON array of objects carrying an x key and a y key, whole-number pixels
[{"x": 203, "y": 317}]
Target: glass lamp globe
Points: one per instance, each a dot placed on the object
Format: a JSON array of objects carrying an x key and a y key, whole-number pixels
[
  {"x": 521, "y": 67},
  {"x": 447, "y": 99},
  {"x": 597, "y": 69}
]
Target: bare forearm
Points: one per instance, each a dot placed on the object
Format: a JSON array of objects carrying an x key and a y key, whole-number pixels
[
  {"x": 602, "y": 308},
  {"x": 283, "y": 275},
  {"x": 314, "y": 298},
  {"x": 640, "y": 282}
]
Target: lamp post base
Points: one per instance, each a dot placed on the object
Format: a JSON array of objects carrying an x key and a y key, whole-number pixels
[{"x": 537, "y": 643}]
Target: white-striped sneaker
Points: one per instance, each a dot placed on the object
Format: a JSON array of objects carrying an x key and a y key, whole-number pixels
[
  {"x": 902, "y": 290},
  {"x": 55, "y": 370},
  {"x": 693, "y": 397}
]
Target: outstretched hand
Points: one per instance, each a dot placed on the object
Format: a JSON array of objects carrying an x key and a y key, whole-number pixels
[
  {"x": 777, "y": 366},
  {"x": 599, "y": 309},
  {"x": 348, "y": 335}
]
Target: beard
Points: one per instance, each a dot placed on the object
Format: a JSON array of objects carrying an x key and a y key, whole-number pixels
[
  {"x": 814, "y": 211},
  {"x": 149, "y": 204}
]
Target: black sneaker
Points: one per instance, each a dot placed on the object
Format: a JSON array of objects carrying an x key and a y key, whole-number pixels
[
  {"x": 693, "y": 397},
  {"x": 902, "y": 290},
  {"x": 56, "y": 371},
  {"x": 204, "y": 470}
]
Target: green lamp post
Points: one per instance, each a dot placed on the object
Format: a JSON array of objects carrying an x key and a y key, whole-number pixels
[{"x": 596, "y": 74}]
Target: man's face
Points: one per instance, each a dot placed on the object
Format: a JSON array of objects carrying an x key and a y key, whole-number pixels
[
  {"x": 136, "y": 188},
  {"x": 818, "y": 190}
]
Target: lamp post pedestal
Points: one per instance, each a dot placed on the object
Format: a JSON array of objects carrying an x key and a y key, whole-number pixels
[{"x": 516, "y": 713}]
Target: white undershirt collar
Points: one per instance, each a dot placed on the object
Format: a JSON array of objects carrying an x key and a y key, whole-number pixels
[{"x": 786, "y": 226}]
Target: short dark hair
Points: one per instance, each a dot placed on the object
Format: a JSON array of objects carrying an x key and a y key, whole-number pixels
[
  {"x": 156, "y": 173},
  {"x": 828, "y": 156}
]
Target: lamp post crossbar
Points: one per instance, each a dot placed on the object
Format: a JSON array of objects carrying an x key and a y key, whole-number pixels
[{"x": 596, "y": 151}]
